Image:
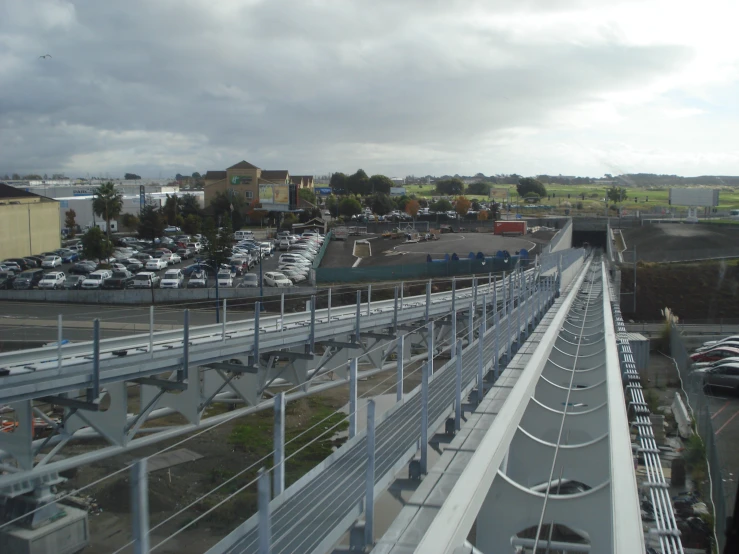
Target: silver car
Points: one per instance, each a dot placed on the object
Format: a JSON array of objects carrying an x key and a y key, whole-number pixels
[{"x": 724, "y": 377}]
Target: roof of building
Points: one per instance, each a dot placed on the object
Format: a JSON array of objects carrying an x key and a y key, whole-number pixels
[
  {"x": 214, "y": 175},
  {"x": 6, "y": 191},
  {"x": 296, "y": 179},
  {"x": 243, "y": 164},
  {"x": 275, "y": 174}
]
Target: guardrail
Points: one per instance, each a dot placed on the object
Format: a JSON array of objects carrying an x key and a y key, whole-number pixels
[{"x": 322, "y": 250}]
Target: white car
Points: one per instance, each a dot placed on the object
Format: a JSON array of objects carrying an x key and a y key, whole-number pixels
[
  {"x": 194, "y": 246},
  {"x": 173, "y": 279},
  {"x": 95, "y": 279},
  {"x": 172, "y": 259},
  {"x": 118, "y": 267},
  {"x": 284, "y": 244},
  {"x": 225, "y": 279},
  {"x": 52, "y": 280},
  {"x": 276, "y": 279},
  {"x": 172, "y": 229},
  {"x": 155, "y": 264},
  {"x": 51, "y": 262}
]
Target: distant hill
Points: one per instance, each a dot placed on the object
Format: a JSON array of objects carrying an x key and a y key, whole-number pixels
[{"x": 652, "y": 179}]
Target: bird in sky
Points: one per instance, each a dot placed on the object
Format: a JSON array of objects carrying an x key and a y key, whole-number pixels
[{"x": 45, "y": 56}]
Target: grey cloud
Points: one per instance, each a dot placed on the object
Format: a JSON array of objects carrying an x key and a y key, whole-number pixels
[{"x": 287, "y": 84}]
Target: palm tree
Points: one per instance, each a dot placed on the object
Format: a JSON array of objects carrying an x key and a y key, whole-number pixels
[{"x": 107, "y": 203}]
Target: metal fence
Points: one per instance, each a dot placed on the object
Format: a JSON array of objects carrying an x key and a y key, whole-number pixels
[
  {"x": 322, "y": 250},
  {"x": 699, "y": 404}
]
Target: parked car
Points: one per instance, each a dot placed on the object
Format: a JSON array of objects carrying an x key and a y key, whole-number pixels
[
  {"x": 145, "y": 280},
  {"x": 173, "y": 279},
  {"x": 83, "y": 268},
  {"x": 172, "y": 259},
  {"x": 284, "y": 244},
  {"x": 713, "y": 343},
  {"x": 6, "y": 279},
  {"x": 68, "y": 256},
  {"x": 172, "y": 229},
  {"x": 225, "y": 278},
  {"x": 7, "y": 265},
  {"x": 95, "y": 279},
  {"x": 28, "y": 279},
  {"x": 185, "y": 253},
  {"x": 143, "y": 257},
  {"x": 198, "y": 280},
  {"x": 20, "y": 262},
  {"x": 32, "y": 263},
  {"x": 199, "y": 267},
  {"x": 132, "y": 264},
  {"x": 195, "y": 246},
  {"x": 52, "y": 280},
  {"x": 715, "y": 353},
  {"x": 249, "y": 281},
  {"x": 294, "y": 275},
  {"x": 120, "y": 279},
  {"x": 155, "y": 264},
  {"x": 723, "y": 377},
  {"x": 276, "y": 279},
  {"x": 50, "y": 262},
  {"x": 73, "y": 282}
]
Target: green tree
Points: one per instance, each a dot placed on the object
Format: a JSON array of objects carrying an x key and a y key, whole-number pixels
[
  {"x": 196, "y": 175},
  {"x": 32, "y": 177},
  {"x": 462, "y": 206},
  {"x": 358, "y": 183},
  {"x": 441, "y": 205},
  {"x": 288, "y": 221},
  {"x": 95, "y": 245},
  {"x": 401, "y": 201},
  {"x": 349, "y": 207},
  {"x": 170, "y": 209},
  {"x": 189, "y": 205},
  {"x": 332, "y": 205},
  {"x": 532, "y": 198},
  {"x": 107, "y": 203},
  {"x": 338, "y": 183},
  {"x": 16, "y": 177},
  {"x": 192, "y": 224},
  {"x": 151, "y": 223},
  {"x": 308, "y": 195},
  {"x": 256, "y": 213},
  {"x": 529, "y": 184},
  {"x": 129, "y": 221},
  {"x": 380, "y": 183},
  {"x": 381, "y": 204},
  {"x": 412, "y": 207},
  {"x": 70, "y": 223},
  {"x": 617, "y": 194},
  {"x": 479, "y": 187},
  {"x": 453, "y": 186}
]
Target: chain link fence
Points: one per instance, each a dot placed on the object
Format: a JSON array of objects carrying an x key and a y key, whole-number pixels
[{"x": 700, "y": 406}]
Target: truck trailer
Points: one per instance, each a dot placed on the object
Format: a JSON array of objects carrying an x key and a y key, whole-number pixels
[{"x": 510, "y": 228}]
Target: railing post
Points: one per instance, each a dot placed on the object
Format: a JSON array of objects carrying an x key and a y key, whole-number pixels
[
  {"x": 369, "y": 497},
  {"x": 480, "y": 366},
  {"x": 458, "y": 389},
  {"x": 505, "y": 293},
  {"x": 369, "y": 298},
  {"x": 279, "y": 440},
  {"x": 508, "y": 338},
  {"x": 470, "y": 322},
  {"x": 490, "y": 281},
  {"x": 282, "y": 311},
  {"x": 430, "y": 333},
  {"x": 428, "y": 298},
  {"x": 184, "y": 373},
  {"x": 496, "y": 350},
  {"x": 329, "y": 305},
  {"x": 223, "y": 327},
  {"x": 312, "y": 342},
  {"x": 59, "y": 339},
  {"x": 454, "y": 334},
  {"x": 484, "y": 325},
  {"x": 140, "y": 507},
  {"x": 474, "y": 289},
  {"x": 401, "y": 361},
  {"x": 353, "y": 398},
  {"x": 357, "y": 323},
  {"x": 257, "y": 309},
  {"x": 495, "y": 299},
  {"x": 454, "y": 293},
  {"x": 151, "y": 329},
  {"x": 265, "y": 525},
  {"x": 424, "y": 417},
  {"x": 395, "y": 310},
  {"x": 402, "y": 295}
]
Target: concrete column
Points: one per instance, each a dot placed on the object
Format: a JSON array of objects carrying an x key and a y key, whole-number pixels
[
  {"x": 369, "y": 498},
  {"x": 265, "y": 524},
  {"x": 369, "y": 298},
  {"x": 151, "y": 329},
  {"x": 395, "y": 311},
  {"x": 353, "y": 398},
  {"x": 454, "y": 334},
  {"x": 282, "y": 309},
  {"x": 430, "y": 332},
  {"x": 480, "y": 366},
  {"x": 470, "y": 322},
  {"x": 279, "y": 444},
  {"x": 357, "y": 323},
  {"x": 484, "y": 313},
  {"x": 140, "y": 507},
  {"x": 312, "y": 341},
  {"x": 257, "y": 310},
  {"x": 59, "y": 339},
  {"x": 428, "y": 298},
  {"x": 399, "y": 384},
  {"x": 454, "y": 293}
]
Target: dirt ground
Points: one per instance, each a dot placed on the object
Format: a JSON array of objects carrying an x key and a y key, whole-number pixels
[
  {"x": 172, "y": 489},
  {"x": 695, "y": 292}
]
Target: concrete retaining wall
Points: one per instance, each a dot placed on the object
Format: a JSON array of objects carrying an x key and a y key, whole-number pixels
[{"x": 143, "y": 296}]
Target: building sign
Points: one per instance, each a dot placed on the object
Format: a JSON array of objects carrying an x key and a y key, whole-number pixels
[
  {"x": 83, "y": 192},
  {"x": 240, "y": 179},
  {"x": 397, "y": 191},
  {"x": 322, "y": 191},
  {"x": 270, "y": 193}
]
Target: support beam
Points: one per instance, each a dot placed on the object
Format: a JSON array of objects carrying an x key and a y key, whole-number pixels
[
  {"x": 93, "y": 391},
  {"x": 223, "y": 323},
  {"x": 357, "y": 325},
  {"x": 430, "y": 337},
  {"x": 399, "y": 383},
  {"x": 353, "y": 398},
  {"x": 312, "y": 340},
  {"x": 183, "y": 372},
  {"x": 425, "y": 417},
  {"x": 480, "y": 365},
  {"x": 265, "y": 525},
  {"x": 369, "y": 498},
  {"x": 458, "y": 390},
  {"x": 369, "y": 299},
  {"x": 255, "y": 353},
  {"x": 428, "y": 298}
]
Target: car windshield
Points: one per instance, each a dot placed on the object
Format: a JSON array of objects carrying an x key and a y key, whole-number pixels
[
  {"x": 141, "y": 278},
  {"x": 49, "y": 258},
  {"x": 93, "y": 276},
  {"x": 119, "y": 274},
  {"x": 74, "y": 279},
  {"x": 224, "y": 275},
  {"x": 171, "y": 275},
  {"x": 250, "y": 278}
]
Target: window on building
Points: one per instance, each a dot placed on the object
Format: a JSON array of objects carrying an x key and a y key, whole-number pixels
[{"x": 249, "y": 194}]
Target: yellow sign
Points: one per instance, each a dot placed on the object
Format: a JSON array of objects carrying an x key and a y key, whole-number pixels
[{"x": 274, "y": 194}]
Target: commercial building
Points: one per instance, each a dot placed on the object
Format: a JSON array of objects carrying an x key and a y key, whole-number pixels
[
  {"x": 275, "y": 189},
  {"x": 29, "y": 223},
  {"x": 65, "y": 188}
]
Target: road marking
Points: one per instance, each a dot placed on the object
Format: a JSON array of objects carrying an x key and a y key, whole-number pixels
[
  {"x": 727, "y": 422},
  {"x": 721, "y": 409}
]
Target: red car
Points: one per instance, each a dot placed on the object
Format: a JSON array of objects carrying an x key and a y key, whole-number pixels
[{"x": 717, "y": 353}]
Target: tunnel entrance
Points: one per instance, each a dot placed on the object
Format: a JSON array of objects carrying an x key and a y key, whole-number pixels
[{"x": 596, "y": 239}]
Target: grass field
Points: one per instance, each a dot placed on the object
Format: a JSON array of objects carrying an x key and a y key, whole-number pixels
[{"x": 647, "y": 199}]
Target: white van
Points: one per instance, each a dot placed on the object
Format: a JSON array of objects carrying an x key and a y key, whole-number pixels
[{"x": 243, "y": 235}]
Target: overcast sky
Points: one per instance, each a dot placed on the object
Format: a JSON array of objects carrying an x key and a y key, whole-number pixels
[{"x": 574, "y": 87}]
